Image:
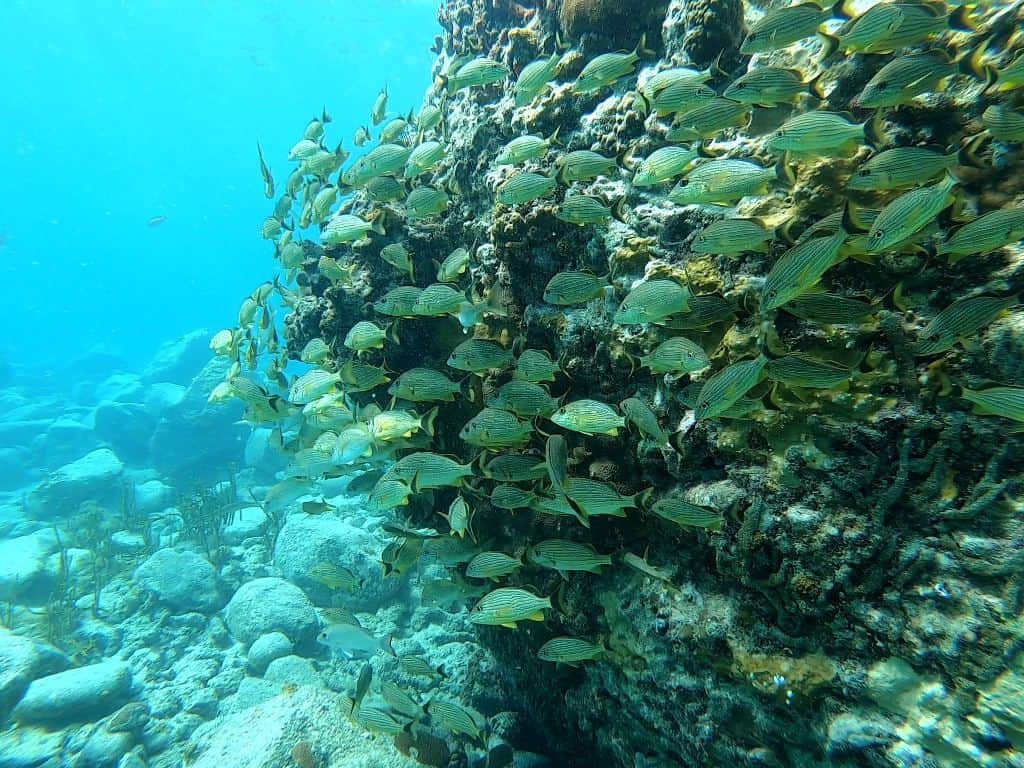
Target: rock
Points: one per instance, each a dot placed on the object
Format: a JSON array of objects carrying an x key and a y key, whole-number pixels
[
  {"x": 306, "y": 540},
  {"x": 24, "y": 575},
  {"x": 31, "y": 747},
  {"x": 94, "y": 476},
  {"x": 22, "y": 660},
  {"x": 127, "y": 543},
  {"x": 266, "y": 649},
  {"x": 78, "y": 695},
  {"x": 153, "y": 496},
  {"x": 260, "y": 455},
  {"x": 126, "y": 427},
  {"x": 264, "y": 736},
  {"x": 195, "y": 422},
  {"x": 66, "y": 439},
  {"x": 121, "y": 388},
  {"x": 292, "y": 669},
  {"x": 104, "y": 749},
  {"x": 271, "y": 605},
  {"x": 178, "y": 361},
  {"x": 249, "y": 522},
  {"x": 163, "y": 395},
  {"x": 182, "y": 580},
  {"x": 14, "y": 462}
]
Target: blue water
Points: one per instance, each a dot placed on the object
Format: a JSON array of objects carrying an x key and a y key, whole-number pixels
[{"x": 114, "y": 113}]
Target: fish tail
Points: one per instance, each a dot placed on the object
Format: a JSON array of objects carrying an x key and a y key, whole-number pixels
[
  {"x": 814, "y": 87},
  {"x": 784, "y": 172},
  {"x": 851, "y": 223},
  {"x": 874, "y": 130},
  {"x": 961, "y": 19},
  {"x": 829, "y": 45},
  {"x": 619, "y": 210},
  {"x": 843, "y": 9},
  {"x": 428, "y": 421},
  {"x": 967, "y": 154},
  {"x": 641, "y": 47}
]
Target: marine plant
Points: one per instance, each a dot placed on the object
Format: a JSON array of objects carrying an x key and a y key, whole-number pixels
[{"x": 205, "y": 512}]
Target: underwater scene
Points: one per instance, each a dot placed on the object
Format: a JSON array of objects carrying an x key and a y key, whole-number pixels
[{"x": 512, "y": 383}]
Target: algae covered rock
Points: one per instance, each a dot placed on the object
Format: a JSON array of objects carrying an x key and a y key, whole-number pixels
[
  {"x": 182, "y": 580},
  {"x": 94, "y": 476},
  {"x": 84, "y": 694},
  {"x": 271, "y": 605}
]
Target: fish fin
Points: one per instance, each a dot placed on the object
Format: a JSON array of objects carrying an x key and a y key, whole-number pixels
[
  {"x": 843, "y": 9},
  {"x": 619, "y": 210},
  {"x": 784, "y": 172},
  {"x": 814, "y": 87},
  {"x": 967, "y": 156},
  {"x": 509, "y": 624},
  {"x": 960, "y": 19},
  {"x": 829, "y": 45},
  {"x": 874, "y": 131},
  {"x": 641, "y": 47}
]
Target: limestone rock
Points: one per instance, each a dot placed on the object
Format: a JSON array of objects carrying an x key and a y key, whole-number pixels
[
  {"x": 271, "y": 605},
  {"x": 78, "y": 695},
  {"x": 266, "y": 649},
  {"x": 94, "y": 476},
  {"x": 182, "y": 580},
  {"x": 126, "y": 427},
  {"x": 178, "y": 361},
  {"x": 21, "y": 661}
]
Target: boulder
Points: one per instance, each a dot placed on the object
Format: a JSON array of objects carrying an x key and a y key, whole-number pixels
[
  {"x": 94, "y": 476},
  {"x": 178, "y": 361},
  {"x": 153, "y": 496},
  {"x": 263, "y": 736},
  {"x": 271, "y": 605},
  {"x": 65, "y": 439},
  {"x": 248, "y": 523},
  {"x": 127, "y": 428},
  {"x": 121, "y": 388},
  {"x": 294, "y": 670},
  {"x": 306, "y": 540},
  {"x": 266, "y": 649},
  {"x": 259, "y": 454},
  {"x": 25, "y": 575},
  {"x": 195, "y": 439},
  {"x": 14, "y": 463},
  {"x": 163, "y": 395},
  {"x": 81, "y": 695},
  {"x": 181, "y": 580},
  {"x": 22, "y": 660}
]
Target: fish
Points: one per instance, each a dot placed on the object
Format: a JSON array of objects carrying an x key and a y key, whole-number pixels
[
  {"x": 906, "y": 77},
  {"x": 492, "y": 565},
  {"x": 593, "y": 498},
  {"x": 799, "y": 269},
  {"x": 397, "y": 256},
  {"x": 425, "y": 385},
  {"x": 346, "y": 228},
  {"x": 511, "y": 497},
  {"x": 603, "y": 70},
  {"x": 414, "y": 665},
  {"x": 450, "y": 551},
  {"x": 378, "y": 720},
  {"x": 663, "y": 165},
  {"x": 985, "y": 234},
  {"x": 514, "y": 468},
  {"x": 303, "y": 149},
  {"x": 583, "y": 165},
  {"x": 399, "y": 700},
  {"x": 459, "y": 517},
  {"x": 886, "y": 27},
  {"x": 571, "y": 650},
  {"x": 781, "y": 27},
  {"x": 524, "y": 187},
  {"x": 732, "y": 237},
  {"x": 453, "y": 718},
  {"x": 270, "y": 229},
  {"x": 362, "y": 686},
  {"x": 1003, "y": 123},
  {"x": 437, "y": 300},
  {"x": 268, "y": 177},
  {"x": 365, "y": 335},
  {"x": 425, "y": 470},
  {"x": 392, "y": 425},
  {"x": 561, "y": 506},
  {"x": 652, "y": 301},
  {"x": 495, "y": 428},
  {"x": 382, "y": 160},
  {"x": 639, "y": 414},
  {"x": 360, "y": 377},
  {"x": 828, "y": 308},
  {"x": 453, "y": 266},
  {"x": 588, "y": 417},
  {"x": 361, "y": 137},
  {"x": 725, "y": 388},
  {"x": 398, "y": 302},
  {"x": 479, "y": 356},
  {"x": 565, "y": 556},
  {"x": 393, "y": 130},
  {"x": 477, "y": 72},
  {"x": 535, "y": 365},
  {"x": 311, "y": 385},
  {"x": 534, "y": 79},
  {"x": 334, "y": 576},
  {"x": 523, "y": 398},
  {"x": 769, "y": 86},
  {"x": 423, "y": 158},
  {"x": 676, "y": 355},
  {"x": 909, "y": 213},
  {"x": 156, "y": 221},
  {"x": 400, "y": 556},
  {"x": 556, "y": 459},
  {"x": 506, "y": 606},
  {"x": 799, "y": 370},
  {"x": 352, "y": 641},
  {"x": 681, "y": 96},
  {"x": 902, "y": 167},
  {"x": 446, "y": 593},
  {"x": 568, "y": 288},
  {"x": 1006, "y": 78},
  {"x": 687, "y": 515},
  {"x": 641, "y": 565},
  {"x": 668, "y": 77},
  {"x": 523, "y": 148},
  {"x": 709, "y": 119},
  {"x": 384, "y": 189},
  {"x": 822, "y": 133},
  {"x": 353, "y": 443},
  {"x": 379, "y": 110},
  {"x": 424, "y": 202},
  {"x": 1007, "y": 402},
  {"x": 961, "y": 319},
  {"x": 729, "y": 180}
]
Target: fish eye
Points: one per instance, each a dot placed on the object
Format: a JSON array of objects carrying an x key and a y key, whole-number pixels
[
  {"x": 863, "y": 171},
  {"x": 740, "y": 84},
  {"x": 780, "y": 133},
  {"x": 704, "y": 404}
]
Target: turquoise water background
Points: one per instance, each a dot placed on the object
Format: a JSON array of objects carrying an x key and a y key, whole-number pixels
[{"x": 114, "y": 113}]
